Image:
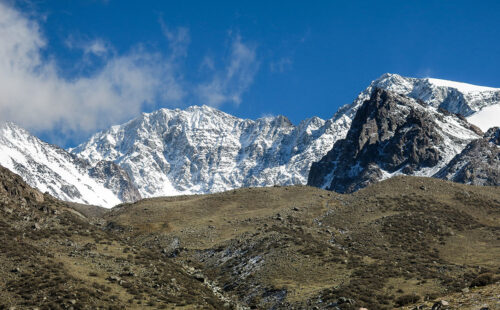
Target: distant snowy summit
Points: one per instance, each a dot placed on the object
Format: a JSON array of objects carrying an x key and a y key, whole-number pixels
[{"x": 203, "y": 150}]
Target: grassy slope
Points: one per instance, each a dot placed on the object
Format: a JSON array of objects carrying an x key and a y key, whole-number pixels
[{"x": 293, "y": 246}]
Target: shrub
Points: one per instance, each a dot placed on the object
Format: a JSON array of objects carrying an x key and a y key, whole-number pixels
[
  {"x": 483, "y": 279},
  {"x": 407, "y": 299}
]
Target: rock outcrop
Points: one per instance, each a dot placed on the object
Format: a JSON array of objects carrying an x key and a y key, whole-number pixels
[{"x": 391, "y": 134}]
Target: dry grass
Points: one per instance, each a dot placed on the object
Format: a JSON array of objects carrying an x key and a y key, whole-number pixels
[{"x": 402, "y": 236}]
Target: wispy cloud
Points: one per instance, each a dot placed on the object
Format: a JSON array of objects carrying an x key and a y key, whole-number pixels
[
  {"x": 96, "y": 47},
  {"x": 230, "y": 83},
  {"x": 281, "y": 65},
  {"x": 207, "y": 63},
  {"x": 33, "y": 94},
  {"x": 178, "y": 39}
]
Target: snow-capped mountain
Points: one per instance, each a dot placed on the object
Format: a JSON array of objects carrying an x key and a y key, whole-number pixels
[
  {"x": 392, "y": 134},
  {"x": 52, "y": 169},
  {"x": 201, "y": 150}
]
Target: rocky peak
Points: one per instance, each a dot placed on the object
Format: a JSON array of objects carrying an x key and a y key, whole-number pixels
[{"x": 391, "y": 134}]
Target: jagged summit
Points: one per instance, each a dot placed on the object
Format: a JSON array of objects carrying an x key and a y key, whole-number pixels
[
  {"x": 455, "y": 97},
  {"x": 392, "y": 79}
]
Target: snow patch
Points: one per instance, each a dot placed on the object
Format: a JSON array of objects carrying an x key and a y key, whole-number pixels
[
  {"x": 463, "y": 87},
  {"x": 486, "y": 118}
]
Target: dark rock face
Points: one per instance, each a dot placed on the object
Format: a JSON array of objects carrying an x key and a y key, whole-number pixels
[
  {"x": 478, "y": 163},
  {"x": 116, "y": 179},
  {"x": 389, "y": 133}
]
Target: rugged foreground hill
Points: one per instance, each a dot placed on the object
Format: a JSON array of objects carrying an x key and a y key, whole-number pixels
[
  {"x": 390, "y": 244},
  {"x": 53, "y": 257}
]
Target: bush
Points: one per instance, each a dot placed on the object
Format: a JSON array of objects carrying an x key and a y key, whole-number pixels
[
  {"x": 407, "y": 299},
  {"x": 483, "y": 279}
]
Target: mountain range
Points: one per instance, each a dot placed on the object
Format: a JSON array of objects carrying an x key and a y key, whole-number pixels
[{"x": 397, "y": 125}]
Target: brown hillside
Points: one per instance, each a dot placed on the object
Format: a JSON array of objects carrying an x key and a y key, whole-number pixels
[{"x": 302, "y": 247}]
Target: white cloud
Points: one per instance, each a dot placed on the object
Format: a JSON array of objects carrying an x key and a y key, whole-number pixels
[
  {"x": 34, "y": 95},
  {"x": 229, "y": 84},
  {"x": 97, "y": 47}
]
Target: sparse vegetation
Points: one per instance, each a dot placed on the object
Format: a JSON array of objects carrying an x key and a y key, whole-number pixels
[{"x": 391, "y": 244}]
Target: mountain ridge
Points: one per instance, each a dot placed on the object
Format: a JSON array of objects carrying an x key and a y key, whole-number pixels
[
  {"x": 202, "y": 150},
  {"x": 235, "y": 152}
]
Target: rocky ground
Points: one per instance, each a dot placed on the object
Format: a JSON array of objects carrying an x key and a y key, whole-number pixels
[
  {"x": 483, "y": 297},
  {"x": 404, "y": 242}
]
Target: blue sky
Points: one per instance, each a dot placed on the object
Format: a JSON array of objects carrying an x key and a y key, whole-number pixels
[{"x": 74, "y": 67}]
